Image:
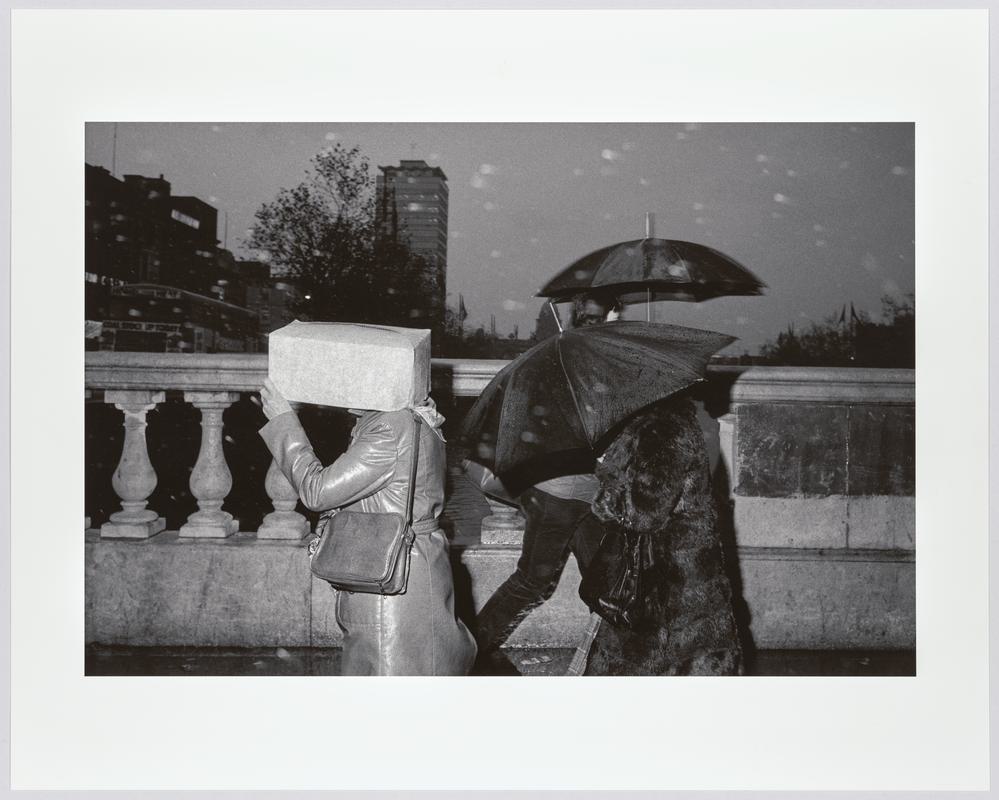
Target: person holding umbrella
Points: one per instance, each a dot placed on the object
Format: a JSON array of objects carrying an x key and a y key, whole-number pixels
[{"x": 559, "y": 521}]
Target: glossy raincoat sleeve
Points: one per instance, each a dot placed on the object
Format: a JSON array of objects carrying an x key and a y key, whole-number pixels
[{"x": 366, "y": 467}]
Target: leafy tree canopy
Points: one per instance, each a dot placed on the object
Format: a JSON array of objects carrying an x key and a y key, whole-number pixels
[
  {"x": 851, "y": 339},
  {"x": 324, "y": 237}
]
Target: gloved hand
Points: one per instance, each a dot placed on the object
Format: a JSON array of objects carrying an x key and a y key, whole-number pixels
[{"x": 273, "y": 402}]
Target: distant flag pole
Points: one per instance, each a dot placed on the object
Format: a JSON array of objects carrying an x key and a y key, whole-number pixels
[
  {"x": 114, "y": 152},
  {"x": 650, "y": 232}
]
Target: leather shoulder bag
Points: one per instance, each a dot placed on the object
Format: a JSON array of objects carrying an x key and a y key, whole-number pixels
[{"x": 368, "y": 551}]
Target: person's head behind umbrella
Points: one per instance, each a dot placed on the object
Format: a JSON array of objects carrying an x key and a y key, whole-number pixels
[{"x": 593, "y": 308}]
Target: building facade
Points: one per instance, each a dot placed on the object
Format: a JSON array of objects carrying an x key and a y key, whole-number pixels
[
  {"x": 412, "y": 204},
  {"x": 143, "y": 241}
]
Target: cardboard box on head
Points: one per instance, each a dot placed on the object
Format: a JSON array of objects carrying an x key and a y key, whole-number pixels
[{"x": 350, "y": 365}]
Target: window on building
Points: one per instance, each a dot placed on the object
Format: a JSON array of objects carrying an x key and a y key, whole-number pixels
[{"x": 180, "y": 216}]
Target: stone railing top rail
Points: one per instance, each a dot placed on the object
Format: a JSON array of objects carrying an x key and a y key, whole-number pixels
[{"x": 244, "y": 372}]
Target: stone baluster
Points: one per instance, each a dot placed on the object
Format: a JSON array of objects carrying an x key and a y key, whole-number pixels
[
  {"x": 505, "y": 526},
  {"x": 134, "y": 479},
  {"x": 210, "y": 479},
  {"x": 283, "y": 522}
]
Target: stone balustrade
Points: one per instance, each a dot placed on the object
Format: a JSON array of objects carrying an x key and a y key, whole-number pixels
[{"x": 818, "y": 465}]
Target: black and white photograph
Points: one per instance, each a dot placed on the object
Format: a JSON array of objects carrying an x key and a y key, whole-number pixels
[
  {"x": 639, "y": 399},
  {"x": 489, "y": 400}
]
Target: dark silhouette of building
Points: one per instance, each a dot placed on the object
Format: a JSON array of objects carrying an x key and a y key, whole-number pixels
[
  {"x": 412, "y": 204},
  {"x": 138, "y": 232},
  {"x": 150, "y": 318}
]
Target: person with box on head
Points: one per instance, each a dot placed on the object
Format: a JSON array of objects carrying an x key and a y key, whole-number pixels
[{"x": 386, "y": 372}]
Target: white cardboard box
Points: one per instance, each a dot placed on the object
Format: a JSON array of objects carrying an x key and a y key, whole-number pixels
[{"x": 350, "y": 365}]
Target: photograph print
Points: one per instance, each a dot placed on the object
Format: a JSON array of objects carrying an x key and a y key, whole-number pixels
[{"x": 500, "y": 399}]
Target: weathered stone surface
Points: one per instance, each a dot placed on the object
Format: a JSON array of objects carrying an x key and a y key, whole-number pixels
[
  {"x": 242, "y": 592},
  {"x": 887, "y": 523},
  {"x": 791, "y": 450},
  {"x": 882, "y": 450},
  {"x": 791, "y": 522},
  {"x": 169, "y": 590},
  {"x": 829, "y": 600},
  {"x": 325, "y": 631}
]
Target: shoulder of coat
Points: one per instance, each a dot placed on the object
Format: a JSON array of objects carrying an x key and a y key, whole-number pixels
[{"x": 396, "y": 421}]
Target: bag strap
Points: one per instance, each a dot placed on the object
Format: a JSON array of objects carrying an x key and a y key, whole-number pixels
[{"x": 414, "y": 462}]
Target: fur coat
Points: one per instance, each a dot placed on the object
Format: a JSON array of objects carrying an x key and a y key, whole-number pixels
[{"x": 655, "y": 499}]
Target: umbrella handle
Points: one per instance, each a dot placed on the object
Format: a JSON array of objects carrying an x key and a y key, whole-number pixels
[{"x": 558, "y": 322}]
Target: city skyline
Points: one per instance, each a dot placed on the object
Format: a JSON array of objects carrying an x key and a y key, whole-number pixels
[{"x": 821, "y": 212}]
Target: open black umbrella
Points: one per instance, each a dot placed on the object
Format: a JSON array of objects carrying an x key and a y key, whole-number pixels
[
  {"x": 563, "y": 395},
  {"x": 650, "y": 269}
]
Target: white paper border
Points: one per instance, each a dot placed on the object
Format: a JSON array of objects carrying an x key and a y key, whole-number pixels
[{"x": 919, "y": 733}]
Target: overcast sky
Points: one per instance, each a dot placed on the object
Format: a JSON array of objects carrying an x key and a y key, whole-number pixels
[{"x": 822, "y": 213}]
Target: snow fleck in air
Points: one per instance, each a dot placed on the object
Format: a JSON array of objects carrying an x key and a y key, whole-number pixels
[
  {"x": 681, "y": 135},
  {"x": 134, "y": 312},
  {"x": 692, "y": 126},
  {"x": 609, "y": 155},
  {"x": 489, "y": 205},
  {"x": 764, "y": 171},
  {"x": 229, "y": 439},
  {"x": 781, "y": 198},
  {"x": 414, "y": 207},
  {"x": 316, "y": 252},
  {"x": 581, "y": 274},
  {"x": 791, "y": 173},
  {"x": 263, "y": 255},
  {"x": 818, "y": 228},
  {"x": 512, "y": 305},
  {"x": 456, "y": 234},
  {"x": 600, "y": 388},
  {"x": 643, "y": 181},
  {"x": 539, "y": 411},
  {"x": 487, "y": 169},
  {"x": 529, "y": 437},
  {"x": 212, "y": 198},
  {"x": 869, "y": 262},
  {"x": 899, "y": 171},
  {"x": 608, "y": 170},
  {"x": 216, "y": 128},
  {"x": 330, "y": 136},
  {"x": 478, "y": 182},
  {"x": 495, "y": 254},
  {"x": 761, "y": 159},
  {"x": 628, "y": 146},
  {"x": 434, "y": 156},
  {"x": 699, "y": 220},
  {"x": 282, "y": 653},
  {"x": 742, "y": 320},
  {"x": 577, "y": 172},
  {"x": 698, "y": 206},
  {"x": 820, "y": 242}
]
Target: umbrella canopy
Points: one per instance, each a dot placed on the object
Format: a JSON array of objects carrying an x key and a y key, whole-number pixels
[
  {"x": 563, "y": 395},
  {"x": 655, "y": 269}
]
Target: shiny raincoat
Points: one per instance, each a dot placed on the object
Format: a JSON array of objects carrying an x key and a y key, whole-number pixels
[{"x": 414, "y": 633}]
